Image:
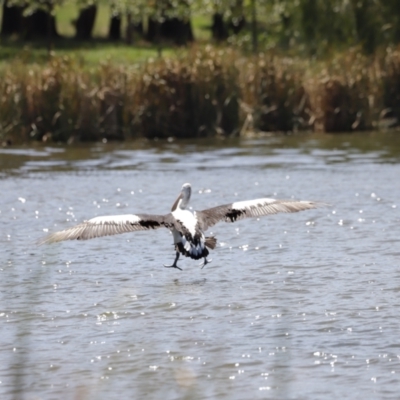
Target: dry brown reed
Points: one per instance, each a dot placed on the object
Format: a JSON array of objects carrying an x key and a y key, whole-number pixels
[
  {"x": 193, "y": 96},
  {"x": 207, "y": 91},
  {"x": 343, "y": 94},
  {"x": 389, "y": 76},
  {"x": 273, "y": 94}
]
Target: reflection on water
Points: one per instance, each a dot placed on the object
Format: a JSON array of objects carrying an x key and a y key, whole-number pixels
[
  {"x": 374, "y": 147},
  {"x": 292, "y": 306}
]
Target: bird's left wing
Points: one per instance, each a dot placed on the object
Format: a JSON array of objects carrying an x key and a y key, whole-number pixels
[
  {"x": 252, "y": 208},
  {"x": 110, "y": 225}
]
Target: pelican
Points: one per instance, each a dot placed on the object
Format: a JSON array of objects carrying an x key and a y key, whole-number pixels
[{"x": 187, "y": 227}]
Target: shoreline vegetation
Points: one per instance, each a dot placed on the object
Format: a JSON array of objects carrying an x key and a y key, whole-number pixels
[
  {"x": 203, "y": 91},
  {"x": 92, "y": 70}
]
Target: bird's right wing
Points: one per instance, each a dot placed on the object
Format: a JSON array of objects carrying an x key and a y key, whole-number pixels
[
  {"x": 252, "y": 208},
  {"x": 109, "y": 225}
]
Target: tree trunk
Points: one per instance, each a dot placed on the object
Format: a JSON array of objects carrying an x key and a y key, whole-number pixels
[
  {"x": 12, "y": 20},
  {"x": 40, "y": 24},
  {"x": 85, "y": 23},
  {"x": 172, "y": 29},
  {"x": 396, "y": 17},
  {"x": 254, "y": 30},
  {"x": 364, "y": 24},
  {"x": 114, "y": 33},
  {"x": 237, "y": 24},
  {"x": 218, "y": 28},
  {"x": 237, "y": 20},
  {"x": 133, "y": 28},
  {"x": 175, "y": 28},
  {"x": 129, "y": 29},
  {"x": 152, "y": 30}
]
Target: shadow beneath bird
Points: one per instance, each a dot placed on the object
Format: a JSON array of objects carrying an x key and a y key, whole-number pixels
[{"x": 196, "y": 282}]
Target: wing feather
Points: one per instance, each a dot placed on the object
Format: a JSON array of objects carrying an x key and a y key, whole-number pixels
[
  {"x": 252, "y": 208},
  {"x": 110, "y": 225}
]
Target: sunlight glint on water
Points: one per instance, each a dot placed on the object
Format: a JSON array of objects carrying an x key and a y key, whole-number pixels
[{"x": 292, "y": 306}]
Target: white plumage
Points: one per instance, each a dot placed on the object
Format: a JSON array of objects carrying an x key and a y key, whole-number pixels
[
  {"x": 116, "y": 219},
  {"x": 187, "y": 228}
]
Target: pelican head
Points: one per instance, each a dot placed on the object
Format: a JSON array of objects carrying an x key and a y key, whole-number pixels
[
  {"x": 184, "y": 197},
  {"x": 186, "y": 191}
]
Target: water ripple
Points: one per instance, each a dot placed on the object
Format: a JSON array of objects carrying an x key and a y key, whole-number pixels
[{"x": 292, "y": 306}]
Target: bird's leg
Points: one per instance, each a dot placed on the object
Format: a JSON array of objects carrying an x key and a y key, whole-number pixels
[
  {"x": 205, "y": 262},
  {"x": 174, "y": 264}
]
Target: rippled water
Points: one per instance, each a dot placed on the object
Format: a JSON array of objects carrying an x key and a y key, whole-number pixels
[{"x": 302, "y": 306}]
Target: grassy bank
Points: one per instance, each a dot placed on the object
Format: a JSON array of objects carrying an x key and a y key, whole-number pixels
[{"x": 205, "y": 91}]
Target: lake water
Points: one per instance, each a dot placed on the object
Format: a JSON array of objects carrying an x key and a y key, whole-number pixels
[{"x": 293, "y": 306}]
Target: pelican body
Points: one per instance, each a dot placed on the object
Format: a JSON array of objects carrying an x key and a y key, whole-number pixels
[{"x": 187, "y": 227}]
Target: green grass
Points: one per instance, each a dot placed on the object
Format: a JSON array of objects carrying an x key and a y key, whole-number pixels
[
  {"x": 116, "y": 53},
  {"x": 89, "y": 53}
]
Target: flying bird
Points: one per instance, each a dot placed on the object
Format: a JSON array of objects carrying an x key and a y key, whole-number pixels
[{"x": 187, "y": 227}]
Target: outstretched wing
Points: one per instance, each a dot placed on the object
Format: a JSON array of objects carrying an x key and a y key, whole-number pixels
[
  {"x": 251, "y": 208},
  {"x": 110, "y": 225}
]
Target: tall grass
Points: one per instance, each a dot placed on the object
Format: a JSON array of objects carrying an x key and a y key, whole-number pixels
[
  {"x": 192, "y": 96},
  {"x": 272, "y": 90},
  {"x": 344, "y": 94},
  {"x": 204, "y": 92}
]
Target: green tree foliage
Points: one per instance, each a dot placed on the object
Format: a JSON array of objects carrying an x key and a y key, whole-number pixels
[
  {"x": 320, "y": 25},
  {"x": 316, "y": 26},
  {"x": 31, "y": 6}
]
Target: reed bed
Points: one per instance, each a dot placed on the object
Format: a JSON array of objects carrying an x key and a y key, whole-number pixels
[{"x": 205, "y": 92}]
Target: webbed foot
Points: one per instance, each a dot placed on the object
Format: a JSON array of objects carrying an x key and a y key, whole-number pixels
[
  {"x": 205, "y": 262},
  {"x": 172, "y": 266},
  {"x": 174, "y": 263}
]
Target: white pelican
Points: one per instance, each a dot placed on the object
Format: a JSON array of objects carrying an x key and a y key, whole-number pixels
[{"x": 187, "y": 227}]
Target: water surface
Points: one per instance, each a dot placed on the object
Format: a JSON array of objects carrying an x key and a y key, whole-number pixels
[{"x": 299, "y": 306}]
